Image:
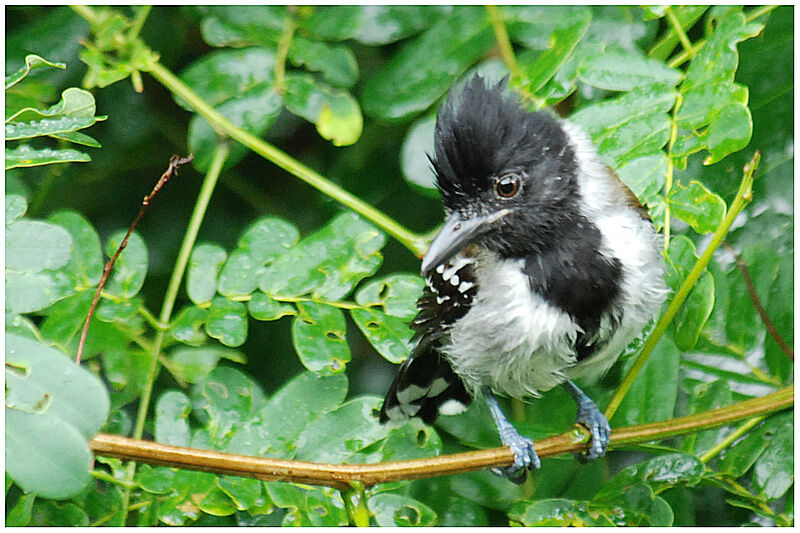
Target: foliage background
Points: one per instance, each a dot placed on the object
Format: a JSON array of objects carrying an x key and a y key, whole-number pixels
[{"x": 717, "y": 351}]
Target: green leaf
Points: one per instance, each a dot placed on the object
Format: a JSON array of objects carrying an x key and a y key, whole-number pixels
[
  {"x": 331, "y": 23},
  {"x": 33, "y": 245},
  {"x": 780, "y": 309},
  {"x": 739, "y": 458},
  {"x": 619, "y": 70},
  {"x": 392, "y": 510},
  {"x": 123, "y": 312},
  {"x": 77, "y": 138},
  {"x": 704, "y": 397},
  {"x": 66, "y": 317},
  {"x": 52, "y": 408},
  {"x": 192, "y": 365},
  {"x": 27, "y": 156},
  {"x": 244, "y": 492},
  {"x": 390, "y": 336},
  {"x": 16, "y": 206},
  {"x": 32, "y": 62},
  {"x": 262, "y": 307},
  {"x": 260, "y": 244},
  {"x": 20, "y": 514},
  {"x": 243, "y": 25},
  {"x": 557, "y": 512},
  {"x": 645, "y": 176},
  {"x": 47, "y": 513},
  {"x": 227, "y": 321},
  {"x": 130, "y": 269},
  {"x": 335, "y": 112},
  {"x": 188, "y": 325},
  {"x": 86, "y": 258},
  {"x": 772, "y": 472},
  {"x": 655, "y": 390},
  {"x": 229, "y": 397},
  {"x": 172, "y": 413},
  {"x": 693, "y": 314},
  {"x": 47, "y": 126},
  {"x": 412, "y": 440},
  {"x": 659, "y": 473},
  {"x": 296, "y": 404},
  {"x": 338, "y": 434},
  {"x": 562, "y": 44},
  {"x": 201, "y": 277},
  {"x": 308, "y": 506},
  {"x": 680, "y": 259},
  {"x": 396, "y": 294},
  {"x": 27, "y": 292},
  {"x": 240, "y": 85},
  {"x": 416, "y": 169},
  {"x": 318, "y": 334},
  {"x": 697, "y": 206},
  {"x": 700, "y": 105},
  {"x": 75, "y": 103},
  {"x": 601, "y": 119},
  {"x": 402, "y": 89},
  {"x": 329, "y": 262},
  {"x": 336, "y": 63},
  {"x": 381, "y": 25}
]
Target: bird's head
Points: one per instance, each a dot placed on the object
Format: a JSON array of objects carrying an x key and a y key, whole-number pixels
[{"x": 507, "y": 177}]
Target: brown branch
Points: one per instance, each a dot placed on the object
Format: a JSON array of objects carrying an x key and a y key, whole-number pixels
[
  {"x": 174, "y": 162},
  {"x": 762, "y": 312},
  {"x": 341, "y": 476}
]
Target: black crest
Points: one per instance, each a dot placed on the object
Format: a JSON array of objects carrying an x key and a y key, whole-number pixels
[{"x": 482, "y": 131}]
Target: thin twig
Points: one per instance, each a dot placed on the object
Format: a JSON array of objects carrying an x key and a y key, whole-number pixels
[
  {"x": 342, "y": 476},
  {"x": 751, "y": 290},
  {"x": 174, "y": 162}
]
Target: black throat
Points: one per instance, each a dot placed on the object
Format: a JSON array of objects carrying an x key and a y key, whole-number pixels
[{"x": 575, "y": 277}]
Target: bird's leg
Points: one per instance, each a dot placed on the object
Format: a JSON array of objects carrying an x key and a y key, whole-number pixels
[
  {"x": 595, "y": 421},
  {"x": 525, "y": 457}
]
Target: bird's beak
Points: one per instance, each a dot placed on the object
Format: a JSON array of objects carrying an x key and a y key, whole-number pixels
[{"x": 455, "y": 235}]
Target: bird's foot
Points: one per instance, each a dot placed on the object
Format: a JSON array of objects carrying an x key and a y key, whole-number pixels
[
  {"x": 596, "y": 422},
  {"x": 525, "y": 457}
]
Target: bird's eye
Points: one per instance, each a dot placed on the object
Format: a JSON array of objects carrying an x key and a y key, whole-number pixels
[{"x": 508, "y": 185}]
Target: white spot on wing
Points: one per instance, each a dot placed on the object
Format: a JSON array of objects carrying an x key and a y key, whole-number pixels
[{"x": 452, "y": 407}]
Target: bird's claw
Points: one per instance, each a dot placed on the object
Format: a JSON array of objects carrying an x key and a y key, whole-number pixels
[
  {"x": 525, "y": 457},
  {"x": 596, "y": 422}
]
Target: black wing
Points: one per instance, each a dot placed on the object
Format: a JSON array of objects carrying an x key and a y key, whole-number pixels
[{"x": 426, "y": 384}]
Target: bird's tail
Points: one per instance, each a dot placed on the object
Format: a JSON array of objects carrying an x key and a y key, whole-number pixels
[{"x": 425, "y": 387}]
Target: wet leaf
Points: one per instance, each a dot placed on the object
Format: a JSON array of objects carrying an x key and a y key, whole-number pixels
[
  {"x": 654, "y": 392},
  {"x": 659, "y": 473},
  {"x": 772, "y": 472},
  {"x": 318, "y": 334},
  {"x": 704, "y": 397},
  {"x": 27, "y": 292},
  {"x": 16, "y": 206},
  {"x": 620, "y": 70},
  {"x": 390, "y": 336},
  {"x": 188, "y": 325},
  {"x": 401, "y": 89},
  {"x": 296, "y": 404},
  {"x": 34, "y": 245},
  {"x": 229, "y": 398},
  {"x": 172, "y": 413},
  {"x": 697, "y": 206},
  {"x": 86, "y": 257},
  {"x": 739, "y": 458},
  {"x": 335, "y": 112},
  {"x": 337, "y": 435},
  {"x": 308, "y": 506},
  {"x": 387, "y": 24},
  {"x": 227, "y": 321},
  {"x": 392, "y": 510},
  {"x": 201, "y": 276},
  {"x": 263, "y": 307},
  {"x": 557, "y": 512},
  {"x": 130, "y": 269},
  {"x": 192, "y": 365},
  {"x": 27, "y": 156},
  {"x": 32, "y": 62}
]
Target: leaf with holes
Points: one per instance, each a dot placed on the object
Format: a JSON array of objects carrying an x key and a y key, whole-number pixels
[
  {"x": 296, "y": 404},
  {"x": 412, "y": 440},
  {"x": 392, "y": 510},
  {"x": 772, "y": 472},
  {"x": 308, "y": 506},
  {"x": 187, "y": 327},
  {"x": 318, "y": 334},
  {"x": 328, "y": 262},
  {"x": 337, "y": 435},
  {"x": 229, "y": 398},
  {"x": 737, "y": 460},
  {"x": 397, "y": 294},
  {"x": 389, "y": 335},
  {"x": 53, "y": 407},
  {"x": 659, "y": 473},
  {"x": 227, "y": 321},
  {"x": 704, "y": 397}
]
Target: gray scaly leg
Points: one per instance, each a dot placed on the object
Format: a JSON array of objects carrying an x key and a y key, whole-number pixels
[
  {"x": 594, "y": 420},
  {"x": 525, "y": 457}
]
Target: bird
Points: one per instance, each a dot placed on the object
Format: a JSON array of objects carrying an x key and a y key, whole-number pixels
[{"x": 545, "y": 269}]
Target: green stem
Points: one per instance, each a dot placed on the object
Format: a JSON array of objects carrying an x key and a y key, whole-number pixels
[
  {"x": 280, "y": 55},
  {"x": 757, "y": 12},
  {"x": 673, "y": 135},
  {"x": 340, "y": 305},
  {"x": 416, "y": 243},
  {"x": 676, "y": 25},
  {"x": 501, "y": 35},
  {"x": 743, "y": 197},
  {"x": 138, "y": 21},
  {"x": 105, "y": 476},
  {"x": 727, "y": 441},
  {"x": 203, "y": 198},
  {"x": 87, "y": 13},
  {"x": 355, "y": 503}
]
